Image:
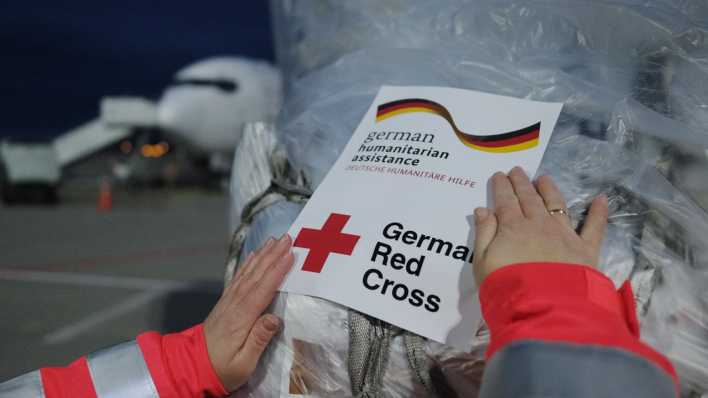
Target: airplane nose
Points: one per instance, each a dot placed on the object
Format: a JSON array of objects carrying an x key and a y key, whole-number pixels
[
  {"x": 167, "y": 117},
  {"x": 179, "y": 113}
]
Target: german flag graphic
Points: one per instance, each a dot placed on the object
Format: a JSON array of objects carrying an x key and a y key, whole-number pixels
[{"x": 513, "y": 141}]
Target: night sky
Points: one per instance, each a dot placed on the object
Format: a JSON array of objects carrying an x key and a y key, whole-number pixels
[{"x": 59, "y": 58}]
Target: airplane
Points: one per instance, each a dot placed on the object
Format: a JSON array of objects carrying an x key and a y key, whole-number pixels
[{"x": 202, "y": 111}]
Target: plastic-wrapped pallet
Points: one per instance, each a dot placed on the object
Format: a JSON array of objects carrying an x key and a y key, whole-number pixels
[
  {"x": 261, "y": 178},
  {"x": 632, "y": 127},
  {"x": 252, "y": 168}
]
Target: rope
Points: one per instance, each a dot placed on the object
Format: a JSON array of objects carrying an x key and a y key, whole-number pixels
[{"x": 369, "y": 350}]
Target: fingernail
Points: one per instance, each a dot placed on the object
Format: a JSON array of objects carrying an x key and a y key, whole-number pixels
[
  {"x": 269, "y": 243},
  {"x": 287, "y": 259},
  {"x": 518, "y": 169},
  {"x": 284, "y": 240},
  {"x": 602, "y": 198},
  {"x": 499, "y": 174},
  {"x": 272, "y": 323},
  {"x": 480, "y": 214}
]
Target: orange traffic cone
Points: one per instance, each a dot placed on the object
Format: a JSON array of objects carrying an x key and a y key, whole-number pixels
[{"x": 105, "y": 197}]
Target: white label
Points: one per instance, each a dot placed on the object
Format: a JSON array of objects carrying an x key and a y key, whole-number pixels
[{"x": 389, "y": 231}]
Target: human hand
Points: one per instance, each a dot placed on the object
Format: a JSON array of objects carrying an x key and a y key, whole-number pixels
[
  {"x": 521, "y": 229},
  {"x": 236, "y": 331}
]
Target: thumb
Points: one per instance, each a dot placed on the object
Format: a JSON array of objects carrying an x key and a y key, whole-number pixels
[
  {"x": 485, "y": 229},
  {"x": 260, "y": 335}
]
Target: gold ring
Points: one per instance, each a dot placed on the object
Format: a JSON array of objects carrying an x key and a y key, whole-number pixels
[{"x": 560, "y": 211}]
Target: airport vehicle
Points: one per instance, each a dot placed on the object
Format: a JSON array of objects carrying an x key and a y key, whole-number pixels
[{"x": 29, "y": 171}]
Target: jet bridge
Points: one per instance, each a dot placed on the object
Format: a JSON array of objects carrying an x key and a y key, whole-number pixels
[{"x": 32, "y": 171}]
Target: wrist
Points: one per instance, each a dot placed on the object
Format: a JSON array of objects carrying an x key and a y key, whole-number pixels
[
  {"x": 180, "y": 364},
  {"x": 563, "y": 303}
]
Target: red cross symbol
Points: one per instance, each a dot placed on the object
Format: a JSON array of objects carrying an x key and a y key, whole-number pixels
[{"x": 322, "y": 242}]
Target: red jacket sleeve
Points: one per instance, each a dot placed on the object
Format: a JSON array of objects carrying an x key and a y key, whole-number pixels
[
  {"x": 179, "y": 364},
  {"x": 562, "y": 303},
  {"x": 70, "y": 381},
  {"x": 175, "y": 365}
]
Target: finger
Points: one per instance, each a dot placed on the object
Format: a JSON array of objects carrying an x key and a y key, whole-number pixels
[
  {"x": 230, "y": 290},
  {"x": 594, "y": 228},
  {"x": 530, "y": 201},
  {"x": 270, "y": 258},
  {"x": 260, "y": 335},
  {"x": 506, "y": 204},
  {"x": 264, "y": 291},
  {"x": 247, "y": 268},
  {"x": 259, "y": 287},
  {"x": 485, "y": 228},
  {"x": 553, "y": 198},
  {"x": 246, "y": 264},
  {"x": 266, "y": 253},
  {"x": 258, "y": 255}
]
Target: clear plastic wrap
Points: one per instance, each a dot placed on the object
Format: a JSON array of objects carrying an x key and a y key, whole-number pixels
[
  {"x": 313, "y": 34},
  {"x": 251, "y": 173},
  {"x": 632, "y": 75}
]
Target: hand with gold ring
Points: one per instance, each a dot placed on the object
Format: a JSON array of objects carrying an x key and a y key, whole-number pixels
[{"x": 531, "y": 224}]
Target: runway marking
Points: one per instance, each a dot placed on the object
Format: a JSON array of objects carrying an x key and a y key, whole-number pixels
[
  {"x": 94, "y": 280},
  {"x": 153, "y": 289},
  {"x": 84, "y": 325},
  {"x": 148, "y": 255}
]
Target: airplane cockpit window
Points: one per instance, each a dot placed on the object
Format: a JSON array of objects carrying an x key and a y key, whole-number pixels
[{"x": 225, "y": 85}]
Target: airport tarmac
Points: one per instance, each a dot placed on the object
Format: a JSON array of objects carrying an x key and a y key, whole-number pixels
[{"x": 73, "y": 280}]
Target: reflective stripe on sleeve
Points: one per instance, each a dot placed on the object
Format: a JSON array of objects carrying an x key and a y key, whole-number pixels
[
  {"x": 120, "y": 371},
  {"x": 29, "y": 385}
]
